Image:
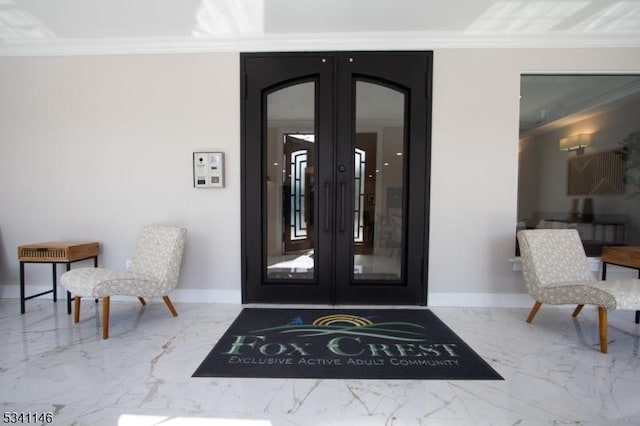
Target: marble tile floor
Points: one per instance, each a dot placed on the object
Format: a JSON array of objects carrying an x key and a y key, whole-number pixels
[{"x": 554, "y": 373}]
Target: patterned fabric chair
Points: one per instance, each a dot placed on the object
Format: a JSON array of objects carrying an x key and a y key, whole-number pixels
[
  {"x": 556, "y": 271},
  {"x": 154, "y": 271}
]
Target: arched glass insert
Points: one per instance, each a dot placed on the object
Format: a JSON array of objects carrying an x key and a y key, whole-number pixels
[
  {"x": 378, "y": 237},
  {"x": 290, "y": 182}
]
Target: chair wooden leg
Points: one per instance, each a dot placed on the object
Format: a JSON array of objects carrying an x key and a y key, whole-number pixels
[
  {"x": 76, "y": 309},
  {"x": 105, "y": 317},
  {"x": 534, "y": 311},
  {"x": 602, "y": 322},
  {"x": 142, "y": 301},
  {"x": 577, "y": 310},
  {"x": 170, "y": 305}
]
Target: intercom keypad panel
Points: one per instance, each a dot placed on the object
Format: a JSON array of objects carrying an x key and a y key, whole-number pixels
[{"x": 208, "y": 170}]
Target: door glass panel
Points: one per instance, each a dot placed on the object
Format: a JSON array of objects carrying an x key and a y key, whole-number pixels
[
  {"x": 378, "y": 227},
  {"x": 291, "y": 182}
]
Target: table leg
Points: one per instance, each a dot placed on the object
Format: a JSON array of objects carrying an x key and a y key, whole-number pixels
[
  {"x": 22, "y": 304},
  {"x": 638, "y": 312},
  {"x": 68, "y": 293},
  {"x": 55, "y": 282}
]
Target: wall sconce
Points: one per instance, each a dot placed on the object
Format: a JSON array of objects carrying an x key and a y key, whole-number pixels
[{"x": 575, "y": 143}]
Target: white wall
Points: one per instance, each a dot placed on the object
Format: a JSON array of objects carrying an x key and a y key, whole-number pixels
[
  {"x": 94, "y": 147},
  {"x": 475, "y": 160},
  {"x": 474, "y": 173}
]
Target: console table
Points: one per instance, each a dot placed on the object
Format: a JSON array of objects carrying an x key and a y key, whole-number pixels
[
  {"x": 627, "y": 256},
  {"x": 55, "y": 252}
]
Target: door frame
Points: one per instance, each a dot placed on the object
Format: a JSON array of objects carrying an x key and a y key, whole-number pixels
[{"x": 326, "y": 291}]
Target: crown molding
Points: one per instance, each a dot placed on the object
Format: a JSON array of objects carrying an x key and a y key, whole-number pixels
[{"x": 315, "y": 42}]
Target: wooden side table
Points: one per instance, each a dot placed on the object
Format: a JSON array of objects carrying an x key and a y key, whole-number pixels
[
  {"x": 55, "y": 252},
  {"x": 627, "y": 256}
]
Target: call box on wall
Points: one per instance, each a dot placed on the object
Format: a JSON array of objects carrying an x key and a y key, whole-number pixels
[{"x": 208, "y": 169}]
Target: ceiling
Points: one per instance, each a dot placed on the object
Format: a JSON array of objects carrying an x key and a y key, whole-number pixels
[{"x": 41, "y": 27}]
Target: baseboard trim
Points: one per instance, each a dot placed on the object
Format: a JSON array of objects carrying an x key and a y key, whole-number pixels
[
  {"x": 178, "y": 295},
  {"x": 471, "y": 300},
  {"x": 207, "y": 296}
]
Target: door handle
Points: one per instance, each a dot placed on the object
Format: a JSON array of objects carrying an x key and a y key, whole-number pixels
[
  {"x": 327, "y": 207},
  {"x": 343, "y": 187}
]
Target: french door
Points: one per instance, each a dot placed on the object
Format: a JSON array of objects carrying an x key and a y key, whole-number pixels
[{"x": 335, "y": 189}]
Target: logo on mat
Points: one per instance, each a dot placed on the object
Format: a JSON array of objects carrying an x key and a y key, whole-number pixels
[
  {"x": 340, "y": 339},
  {"x": 351, "y": 325}
]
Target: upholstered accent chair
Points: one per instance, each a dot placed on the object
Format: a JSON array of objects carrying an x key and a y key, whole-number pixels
[
  {"x": 154, "y": 271},
  {"x": 556, "y": 271}
]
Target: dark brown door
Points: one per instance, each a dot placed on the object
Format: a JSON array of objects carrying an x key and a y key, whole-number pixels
[{"x": 335, "y": 150}]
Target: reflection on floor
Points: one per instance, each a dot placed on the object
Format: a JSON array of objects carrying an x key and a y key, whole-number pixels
[{"x": 553, "y": 370}]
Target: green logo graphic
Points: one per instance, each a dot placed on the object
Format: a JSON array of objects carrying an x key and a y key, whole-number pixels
[{"x": 351, "y": 325}]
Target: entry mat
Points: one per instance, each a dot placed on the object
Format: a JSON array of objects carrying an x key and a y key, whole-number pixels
[{"x": 343, "y": 344}]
